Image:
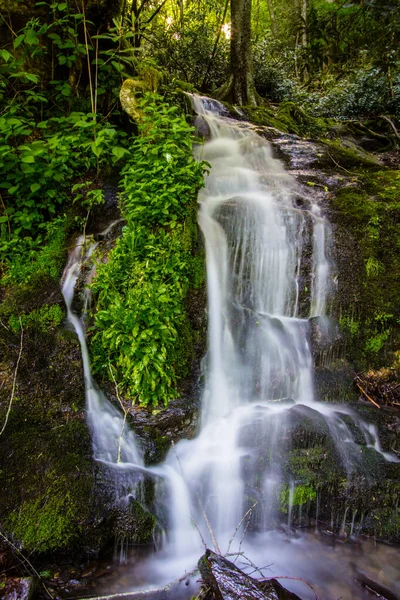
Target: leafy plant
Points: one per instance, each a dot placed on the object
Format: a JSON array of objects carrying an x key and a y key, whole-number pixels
[{"x": 141, "y": 290}]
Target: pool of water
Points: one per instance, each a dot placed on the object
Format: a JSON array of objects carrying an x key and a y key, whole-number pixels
[{"x": 336, "y": 568}]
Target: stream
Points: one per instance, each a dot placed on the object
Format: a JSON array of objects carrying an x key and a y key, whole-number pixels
[{"x": 269, "y": 274}]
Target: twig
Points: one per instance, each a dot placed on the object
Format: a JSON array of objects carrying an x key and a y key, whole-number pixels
[
  {"x": 259, "y": 569},
  {"x": 125, "y": 411},
  {"x": 5, "y": 326},
  {"x": 7, "y": 25},
  {"x": 15, "y": 378},
  {"x": 295, "y": 578},
  {"x": 366, "y": 395},
  {"x": 256, "y": 569},
  {"x": 340, "y": 167},
  {"x": 23, "y": 558},
  {"x": 207, "y": 522},
  {"x": 240, "y": 523}
]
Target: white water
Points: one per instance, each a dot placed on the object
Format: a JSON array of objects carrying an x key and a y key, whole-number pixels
[
  {"x": 109, "y": 436},
  {"x": 259, "y": 361}
]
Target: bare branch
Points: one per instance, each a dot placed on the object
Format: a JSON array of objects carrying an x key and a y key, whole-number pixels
[
  {"x": 240, "y": 523},
  {"x": 125, "y": 411}
]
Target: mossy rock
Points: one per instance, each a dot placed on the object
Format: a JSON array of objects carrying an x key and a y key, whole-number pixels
[
  {"x": 135, "y": 523},
  {"x": 366, "y": 218}
]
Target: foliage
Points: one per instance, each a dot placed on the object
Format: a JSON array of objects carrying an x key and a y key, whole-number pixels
[
  {"x": 273, "y": 77},
  {"x": 29, "y": 260},
  {"x": 42, "y": 319},
  {"x": 43, "y": 152},
  {"x": 186, "y": 50},
  {"x": 39, "y": 161},
  {"x": 300, "y": 495},
  {"x": 141, "y": 289}
]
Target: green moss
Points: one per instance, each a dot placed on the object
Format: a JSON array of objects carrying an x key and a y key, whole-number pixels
[
  {"x": 49, "y": 484},
  {"x": 42, "y": 319},
  {"x": 289, "y": 118},
  {"x": 354, "y": 205},
  {"x": 369, "y": 213},
  {"x": 264, "y": 116},
  {"x": 45, "y": 524},
  {"x": 348, "y": 155}
]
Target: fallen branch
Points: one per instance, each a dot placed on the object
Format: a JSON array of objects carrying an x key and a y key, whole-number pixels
[
  {"x": 340, "y": 167},
  {"x": 15, "y": 378},
  {"x": 366, "y": 395}
]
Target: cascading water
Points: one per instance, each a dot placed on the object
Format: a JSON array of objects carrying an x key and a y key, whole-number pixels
[
  {"x": 112, "y": 441},
  {"x": 263, "y": 251},
  {"x": 259, "y": 362}
]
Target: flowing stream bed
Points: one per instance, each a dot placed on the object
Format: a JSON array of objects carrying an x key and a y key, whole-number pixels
[{"x": 269, "y": 273}]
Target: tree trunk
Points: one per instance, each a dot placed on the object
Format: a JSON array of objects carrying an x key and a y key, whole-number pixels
[
  {"x": 243, "y": 91},
  {"x": 303, "y": 16},
  {"x": 271, "y": 11},
  {"x": 239, "y": 87}
]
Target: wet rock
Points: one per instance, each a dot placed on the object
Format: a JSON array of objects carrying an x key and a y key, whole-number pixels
[
  {"x": 225, "y": 581},
  {"x": 19, "y": 588},
  {"x": 158, "y": 428},
  {"x": 325, "y": 335}
]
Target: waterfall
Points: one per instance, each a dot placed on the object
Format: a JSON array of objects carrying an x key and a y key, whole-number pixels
[
  {"x": 259, "y": 363},
  {"x": 113, "y": 443},
  {"x": 268, "y": 272}
]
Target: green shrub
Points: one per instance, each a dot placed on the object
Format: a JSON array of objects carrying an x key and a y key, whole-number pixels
[{"x": 141, "y": 317}]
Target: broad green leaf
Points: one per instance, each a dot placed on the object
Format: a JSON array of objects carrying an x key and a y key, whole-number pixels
[
  {"x": 31, "y": 37},
  {"x": 32, "y": 77},
  {"x": 18, "y": 40},
  {"x": 119, "y": 152}
]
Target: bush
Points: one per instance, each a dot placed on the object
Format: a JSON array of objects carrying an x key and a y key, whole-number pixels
[
  {"x": 363, "y": 93},
  {"x": 141, "y": 290}
]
